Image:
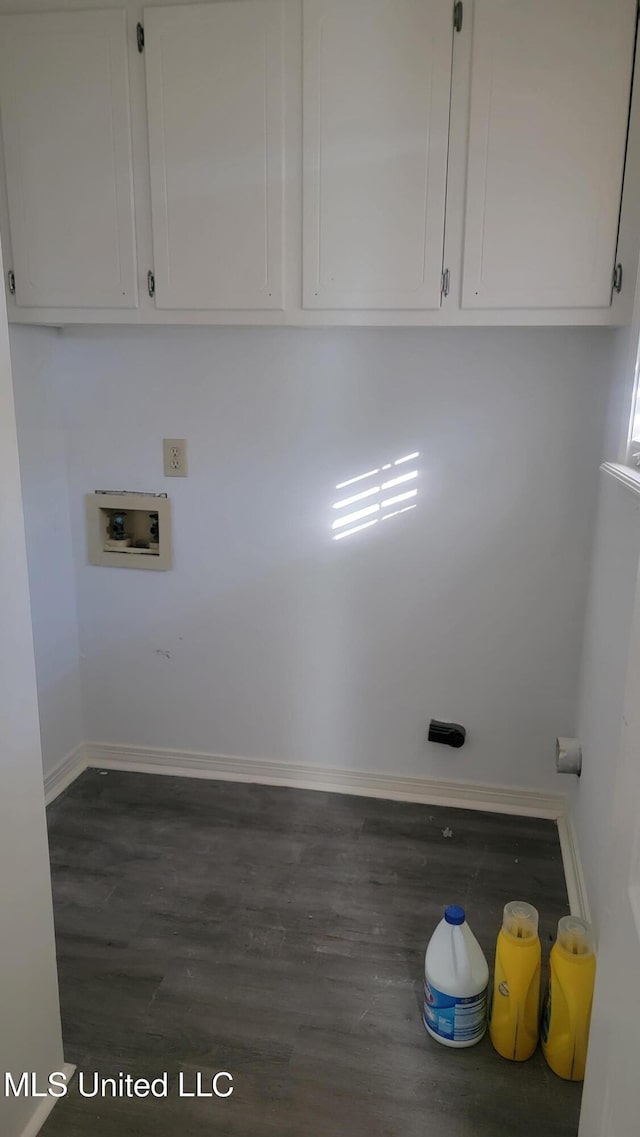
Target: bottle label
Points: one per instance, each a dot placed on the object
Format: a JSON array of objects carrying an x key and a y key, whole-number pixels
[{"x": 458, "y": 1020}]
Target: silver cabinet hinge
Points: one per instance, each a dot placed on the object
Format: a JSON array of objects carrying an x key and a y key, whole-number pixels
[
  {"x": 458, "y": 13},
  {"x": 11, "y": 277},
  {"x": 617, "y": 278},
  {"x": 140, "y": 37},
  {"x": 151, "y": 283},
  {"x": 444, "y": 282}
]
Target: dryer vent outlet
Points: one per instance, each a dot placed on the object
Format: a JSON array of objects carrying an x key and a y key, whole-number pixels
[
  {"x": 448, "y": 733},
  {"x": 568, "y": 756}
]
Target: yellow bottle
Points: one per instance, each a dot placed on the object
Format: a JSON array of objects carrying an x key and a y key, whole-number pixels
[
  {"x": 567, "y": 1013},
  {"x": 515, "y": 1007}
]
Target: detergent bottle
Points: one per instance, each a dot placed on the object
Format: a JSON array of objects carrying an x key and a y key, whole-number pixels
[
  {"x": 456, "y": 977},
  {"x": 567, "y": 1012},
  {"x": 515, "y": 1009}
]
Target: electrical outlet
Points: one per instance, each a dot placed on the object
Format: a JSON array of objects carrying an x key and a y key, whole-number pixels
[{"x": 175, "y": 457}]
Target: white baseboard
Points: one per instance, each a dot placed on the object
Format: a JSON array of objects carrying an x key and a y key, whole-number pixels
[
  {"x": 64, "y": 773},
  {"x": 574, "y": 876},
  {"x": 431, "y": 791},
  {"x": 37, "y": 1119}
]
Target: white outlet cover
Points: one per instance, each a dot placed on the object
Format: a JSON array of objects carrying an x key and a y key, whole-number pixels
[{"x": 174, "y": 452}]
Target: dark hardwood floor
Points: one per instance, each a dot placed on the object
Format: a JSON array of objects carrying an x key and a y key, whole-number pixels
[{"x": 280, "y": 934}]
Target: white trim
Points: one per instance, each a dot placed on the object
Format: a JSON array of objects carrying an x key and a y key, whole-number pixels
[
  {"x": 64, "y": 773},
  {"x": 573, "y": 873},
  {"x": 626, "y": 475},
  {"x": 433, "y": 791},
  {"x": 37, "y": 1119}
]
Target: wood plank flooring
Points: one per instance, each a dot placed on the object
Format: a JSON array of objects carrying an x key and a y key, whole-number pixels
[{"x": 279, "y": 934}]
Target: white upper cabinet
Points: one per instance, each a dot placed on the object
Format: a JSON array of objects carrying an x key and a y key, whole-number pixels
[
  {"x": 215, "y": 108},
  {"x": 550, "y": 86},
  {"x": 317, "y": 162},
  {"x": 64, "y": 107},
  {"x": 377, "y": 79}
]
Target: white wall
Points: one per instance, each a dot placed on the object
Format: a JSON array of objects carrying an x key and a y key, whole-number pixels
[
  {"x": 49, "y": 550},
  {"x": 615, "y": 559},
  {"x": 268, "y": 639},
  {"x": 30, "y": 1036}
]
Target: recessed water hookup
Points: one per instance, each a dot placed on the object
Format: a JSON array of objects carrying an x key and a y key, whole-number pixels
[
  {"x": 448, "y": 733},
  {"x": 568, "y": 756},
  {"x": 129, "y": 530}
]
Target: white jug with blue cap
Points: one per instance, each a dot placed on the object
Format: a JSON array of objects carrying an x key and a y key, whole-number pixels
[{"x": 456, "y": 978}]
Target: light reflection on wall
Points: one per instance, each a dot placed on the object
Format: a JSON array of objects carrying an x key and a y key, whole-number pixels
[{"x": 372, "y": 496}]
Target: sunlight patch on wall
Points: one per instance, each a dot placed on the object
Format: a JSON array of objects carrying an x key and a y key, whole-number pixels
[{"x": 372, "y": 499}]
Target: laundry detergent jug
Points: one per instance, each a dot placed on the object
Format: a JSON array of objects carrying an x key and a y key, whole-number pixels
[
  {"x": 567, "y": 1012},
  {"x": 515, "y": 1006}
]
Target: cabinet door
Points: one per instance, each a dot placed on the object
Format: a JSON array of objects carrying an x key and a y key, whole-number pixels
[
  {"x": 377, "y": 78},
  {"x": 64, "y": 105},
  {"x": 549, "y": 101},
  {"x": 215, "y": 92}
]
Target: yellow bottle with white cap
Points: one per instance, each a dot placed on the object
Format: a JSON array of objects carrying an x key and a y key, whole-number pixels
[
  {"x": 515, "y": 1007},
  {"x": 567, "y": 1013}
]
